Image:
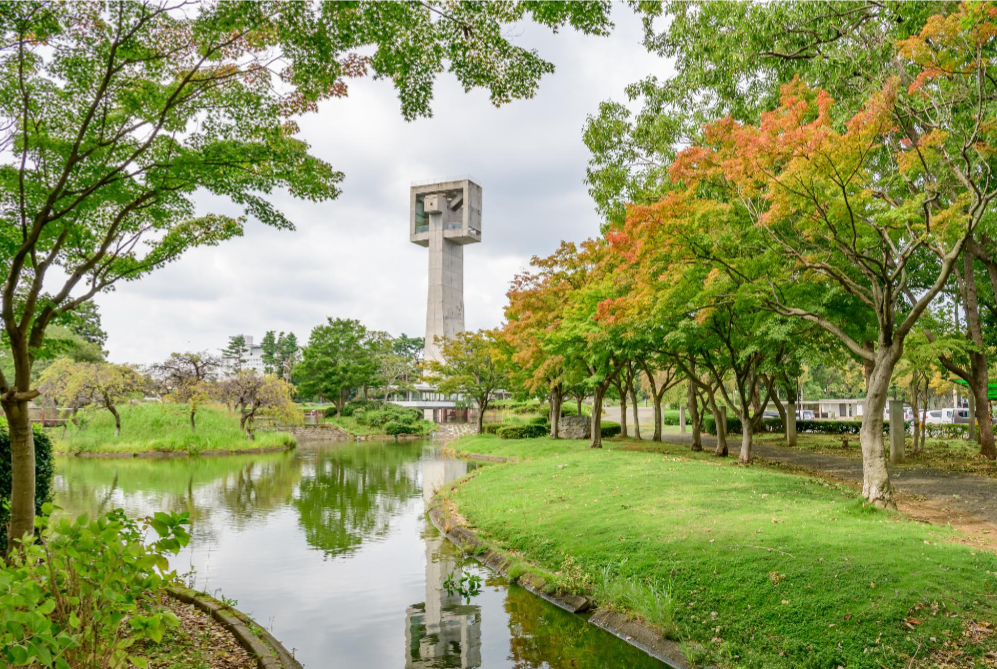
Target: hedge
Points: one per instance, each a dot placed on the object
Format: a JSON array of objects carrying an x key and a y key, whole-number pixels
[
  {"x": 844, "y": 427},
  {"x": 491, "y": 428},
  {"x": 610, "y": 429},
  {"x": 44, "y": 470},
  {"x": 529, "y": 431}
]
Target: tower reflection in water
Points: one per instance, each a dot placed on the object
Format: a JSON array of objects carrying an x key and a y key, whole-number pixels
[{"x": 441, "y": 631}]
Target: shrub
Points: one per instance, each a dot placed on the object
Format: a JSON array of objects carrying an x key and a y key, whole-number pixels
[
  {"x": 527, "y": 431},
  {"x": 610, "y": 429},
  {"x": 491, "y": 428},
  {"x": 395, "y": 428},
  {"x": 44, "y": 469},
  {"x": 670, "y": 417},
  {"x": 108, "y": 594},
  {"x": 352, "y": 407},
  {"x": 540, "y": 420},
  {"x": 774, "y": 425}
]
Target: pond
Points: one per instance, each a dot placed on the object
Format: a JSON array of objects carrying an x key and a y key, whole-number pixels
[{"x": 329, "y": 547}]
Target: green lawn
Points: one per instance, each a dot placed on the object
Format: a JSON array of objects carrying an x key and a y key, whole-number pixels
[
  {"x": 161, "y": 427},
  {"x": 754, "y": 567}
]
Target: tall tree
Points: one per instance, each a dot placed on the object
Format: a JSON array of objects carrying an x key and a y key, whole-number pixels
[
  {"x": 113, "y": 115},
  {"x": 336, "y": 361},
  {"x": 268, "y": 353},
  {"x": 187, "y": 378},
  {"x": 255, "y": 394},
  {"x": 234, "y": 355},
  {"x": 470, "y": 368}
]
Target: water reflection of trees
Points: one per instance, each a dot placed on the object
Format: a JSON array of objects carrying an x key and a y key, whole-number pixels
[
  {"x": 247, "y": 487},
  {"x": 542, "y": 635},
  {"x": 354, "y": 492}
]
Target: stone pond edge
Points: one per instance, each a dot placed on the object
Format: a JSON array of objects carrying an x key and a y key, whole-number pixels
[
  {"x": 268, "y": 651},
  {"x": 633, "y": 632}
]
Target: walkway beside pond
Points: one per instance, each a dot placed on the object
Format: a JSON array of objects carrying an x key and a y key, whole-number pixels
[{"x": 962, "y": 499}]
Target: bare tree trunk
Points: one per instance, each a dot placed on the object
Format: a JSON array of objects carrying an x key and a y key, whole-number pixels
[
  {"x": 657, "y": 403},
  {"x": 117, "y": 419},
  {"x": 579, "y": 400},
  {"x": 556, "y": 398},
  {"x": 622, "y": 391},
  {"x": 720, "y": 418},
  {"x": 876, "y": 485},
  {"x": 600, "y": 392},
  {"x": 783, "y": 415},
  {"x": 193, "y": 424},
  {"x": 633, "y": 401},
  {"x": 482, "y": 405},
  {"x": 22, "y": 471},
  {"x": 747, "y": 432},
  {"x": 697, "y": 431}
]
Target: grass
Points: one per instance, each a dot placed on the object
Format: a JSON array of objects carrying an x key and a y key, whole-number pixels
[
  {"x": 954, "y": 455},
  {"x": 752, "y": 567},
  {"x": 162, "y": 428}
]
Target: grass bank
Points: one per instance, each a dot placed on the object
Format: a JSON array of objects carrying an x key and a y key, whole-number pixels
[
  {"x": 162, "y": 428},
  {"x": 748, "y": 566}
]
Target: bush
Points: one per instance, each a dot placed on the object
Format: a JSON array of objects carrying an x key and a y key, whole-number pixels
[
  {"x": 610, "y": 429},
  {"x": 352, "y": 407},
  {"x": 670, "y": 417},
  {"x": 394, "y": 428},
  {"x": 108, "y": 593},
  {"x": 44, "y": 469},
  {"x": 540, "y": 420},
  {"x": 491, "y": 428},
  {"x": 528, "y": 431}
]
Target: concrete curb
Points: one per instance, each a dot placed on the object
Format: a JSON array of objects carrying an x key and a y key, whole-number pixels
[
  {"x": 165, "y": 455},
  {"x": 267, "y": 650},
  {"x": 633, "y": 632}
]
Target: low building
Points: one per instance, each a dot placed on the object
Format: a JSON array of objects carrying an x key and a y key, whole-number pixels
[
  {"x": 252, "y": 361},
  {"x": 439, "y": 407}
]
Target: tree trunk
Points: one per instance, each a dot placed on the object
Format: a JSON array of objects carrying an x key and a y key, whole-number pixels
[
  {"x": 621, "y": 389},
  {"x": 22, "y": 471},
  {"x": 556, "y": 399},
  {"x": 193, "y": 424},
  {"x": 600, "y": 392},
  {"x": 791, "y": 423},
  {"x": 117, "y": 419},
  {"x": 579, "y": 400},
  {"x": 658, "y": 417},
  {"x": 876, "y": 486},
  {"x": 633, "y": 402},
  {"x": 747, "y": 432},
  {"x": 697, "y": 424},
  {"x": 783, "y": 415},
  {"x": 482, "y": 406},
  {"x": 978, "y": 388},
  {"x": 720, "y": 418}
]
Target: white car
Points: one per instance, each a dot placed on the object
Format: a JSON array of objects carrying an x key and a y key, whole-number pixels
[
  {"x": 950, "y": 415},
  {"x": 805, "y": 414}
]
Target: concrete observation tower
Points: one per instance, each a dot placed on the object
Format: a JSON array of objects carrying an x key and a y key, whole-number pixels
[{"x": 445, "y": 216}]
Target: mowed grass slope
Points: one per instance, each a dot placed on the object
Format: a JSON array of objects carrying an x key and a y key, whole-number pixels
[
  {"x": 162, "y": 427},
  {"x": 760, "y": 568}
]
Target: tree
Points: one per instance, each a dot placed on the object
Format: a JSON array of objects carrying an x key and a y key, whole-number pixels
[
  {"x": 288, "y": 354},
  {"x": 80, "y": 384},
  {"x": 336, "y": 361},
  {"x": 234, "y": 355},
  {"x": 410, "y": 347},
  {"x": 114, "y": 115},
  {"x": 187, "y": 378},
  {"x": 469, "y": 368},
  {"x": 268, "y": 353},
  {"x": 395, "y": 371},
  {"x": 257, "y": 394}
]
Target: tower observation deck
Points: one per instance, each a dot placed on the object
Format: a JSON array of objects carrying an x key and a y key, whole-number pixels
[{"x": 445, "y": 216}]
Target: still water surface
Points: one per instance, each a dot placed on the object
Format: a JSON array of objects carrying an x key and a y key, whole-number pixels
[{"x": 329, "y": 547}]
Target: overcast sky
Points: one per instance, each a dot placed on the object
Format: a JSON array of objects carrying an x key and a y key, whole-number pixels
[{"x": 351, "y": 257}]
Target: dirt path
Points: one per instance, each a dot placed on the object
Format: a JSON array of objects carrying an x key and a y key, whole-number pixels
[{"x": 963, "y": 500}]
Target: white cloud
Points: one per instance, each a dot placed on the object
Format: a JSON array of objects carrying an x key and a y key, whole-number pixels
[{"x": 351, "y": 257}]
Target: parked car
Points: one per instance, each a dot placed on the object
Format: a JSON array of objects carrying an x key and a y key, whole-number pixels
[
  {"x": 949, "y": 415},
  {"x": 908, "y": 414},
  {"x": 770, "y": 414},
  {"x": 805, "y": 414}
]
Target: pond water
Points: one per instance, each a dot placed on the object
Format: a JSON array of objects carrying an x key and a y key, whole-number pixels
[{"x": 329, "y": 547}]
